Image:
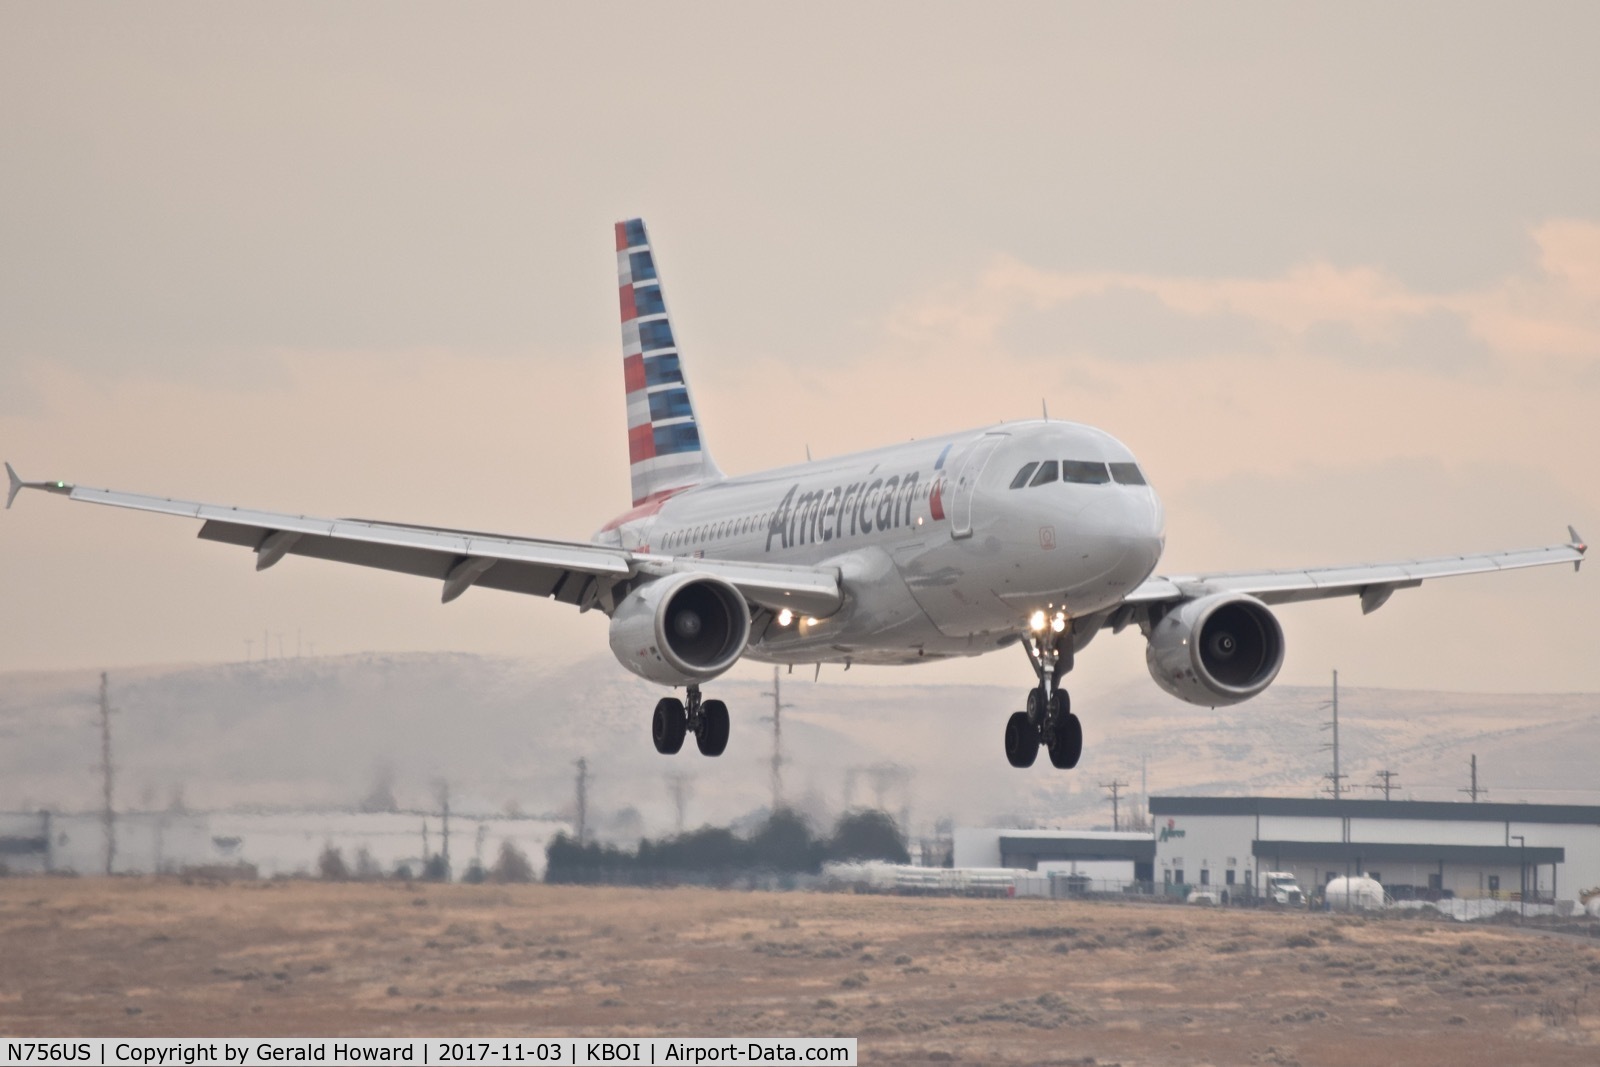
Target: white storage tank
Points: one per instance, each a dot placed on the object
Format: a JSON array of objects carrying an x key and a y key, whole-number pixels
[{"x": 1354, "y": 894}]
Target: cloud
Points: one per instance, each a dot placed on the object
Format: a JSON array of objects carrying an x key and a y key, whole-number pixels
[
  {"x": 1128, "y": 323},
  {"x": 1545, "y": 316}
]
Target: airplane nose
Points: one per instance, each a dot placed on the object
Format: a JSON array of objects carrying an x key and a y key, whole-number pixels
[
  {"x": 1154, "y": 530},
  {"x": 1130, "y": 528}
]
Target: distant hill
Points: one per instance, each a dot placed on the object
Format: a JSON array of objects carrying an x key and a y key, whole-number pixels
[{"x": 506, "y": 732}]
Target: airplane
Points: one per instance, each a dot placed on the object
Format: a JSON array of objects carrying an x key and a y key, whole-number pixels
[{"x": 1038, "y": 533}]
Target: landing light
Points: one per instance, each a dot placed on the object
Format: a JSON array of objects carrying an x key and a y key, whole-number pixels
[
  {"x": 809, "y": 621},
  {"x": 1036, "y": 622},
  {"x": 1059, "y": 623},
  {"x": 785, "y": 617}
]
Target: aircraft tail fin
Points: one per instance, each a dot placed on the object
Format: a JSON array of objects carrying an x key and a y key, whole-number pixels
[{"x": 665, "y": 449}]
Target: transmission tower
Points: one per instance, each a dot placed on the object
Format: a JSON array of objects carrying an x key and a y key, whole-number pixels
[
  {"x": 1387, "y": 785},
  {"x": 108, "y": 814},
  {"x": 884, "y": 777},
  {"x": 1115, "y": 788},
  {"x": 1336, "y": 784},
  {"x": 444, "y": 829},
  {"x": 1474, "y": 790},
  {"x": 681, "y": 786},
  {"x": 583, "y": 800},
  {"x": 776, "y": 693}
]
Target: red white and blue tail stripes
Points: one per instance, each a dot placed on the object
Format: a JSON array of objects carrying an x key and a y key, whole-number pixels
[{"x": 664, "y": 446}]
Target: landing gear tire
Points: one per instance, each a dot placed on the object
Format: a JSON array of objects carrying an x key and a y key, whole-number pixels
[
  {"x": 712, "y": 736},
  {"x": 1022, "y": 739},
  {"x": 668, "y": 726},
  {"x": 1049, "y": 716},
  {"x": 1066, "y": 733}
]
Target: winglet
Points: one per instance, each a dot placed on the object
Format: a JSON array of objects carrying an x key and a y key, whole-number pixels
[
  {"x": 17, "y": 485},
  {"x": 1577, "y": 543}
]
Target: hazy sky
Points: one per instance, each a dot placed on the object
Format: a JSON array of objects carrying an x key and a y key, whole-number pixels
[{"x": 1333, "y": 273}]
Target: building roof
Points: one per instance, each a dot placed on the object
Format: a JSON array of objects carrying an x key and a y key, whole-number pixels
[{"x": 1437, "y": 810}]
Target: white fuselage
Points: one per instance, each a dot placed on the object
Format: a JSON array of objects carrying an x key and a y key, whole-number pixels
[{"x": 937, "y": 553}]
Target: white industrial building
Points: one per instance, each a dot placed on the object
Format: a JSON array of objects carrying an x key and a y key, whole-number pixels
[
  {"x": 273, "y": 843},
  {"x": 1095, "y": 860},
  {"x": 1418, "y": 850}
]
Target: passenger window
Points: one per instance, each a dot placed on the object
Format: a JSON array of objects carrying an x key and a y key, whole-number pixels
[
  {"x": 1127, "y": 474},
  {"x": 1047, "y": 473},
  {"x": 1022, "y": 475},
  {"x": 1084, "y": 472}
]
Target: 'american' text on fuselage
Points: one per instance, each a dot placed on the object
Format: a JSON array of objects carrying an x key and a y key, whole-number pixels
[{"x": 819, "y": 514}]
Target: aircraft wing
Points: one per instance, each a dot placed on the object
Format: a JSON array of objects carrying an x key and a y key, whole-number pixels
[
  {"x": 585, "y": 575},
  {"x": 1372, "y": 582}
]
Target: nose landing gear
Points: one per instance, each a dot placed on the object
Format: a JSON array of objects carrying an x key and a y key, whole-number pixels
[
  {"x": 1049, "y": 720},
  {"x": 673, "y": 721}
]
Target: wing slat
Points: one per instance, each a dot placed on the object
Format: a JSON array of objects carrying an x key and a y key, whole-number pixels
[
  {"x": 1315, "y": 583},
  {"x": 571, "y": 572}
]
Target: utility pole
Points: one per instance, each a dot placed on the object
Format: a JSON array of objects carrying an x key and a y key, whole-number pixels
[
  {"x": 1474, "y": 790},
  {"x": 583, "y": 800},
  {"x": 1116, "y": 789},
  {"x": 444, "y": 829},
  {"x": 1141, "y": 819},
  {"x": 1388, "y": 777},
  {"x": 1335, "y": 779},
  {"x": 680, "y": 785},
  {"x": 778, "y": 705},
  {"x": 108, "y": 814},
  {"x": 248, "y": 644}
]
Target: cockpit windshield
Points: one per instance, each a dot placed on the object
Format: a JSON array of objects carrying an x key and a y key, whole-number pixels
[{"x": 1077, "y": 472}]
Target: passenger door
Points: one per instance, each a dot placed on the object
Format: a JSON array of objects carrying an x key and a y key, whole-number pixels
[{"x": 964, "y": 486}]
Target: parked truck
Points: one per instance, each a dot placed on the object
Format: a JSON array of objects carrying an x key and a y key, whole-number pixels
[{"x": 1283, "y": 889}]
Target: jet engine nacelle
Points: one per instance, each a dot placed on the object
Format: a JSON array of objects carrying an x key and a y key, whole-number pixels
[
  {"x": 1216, "y": 650},
  {"x": 681, "y": 629}
]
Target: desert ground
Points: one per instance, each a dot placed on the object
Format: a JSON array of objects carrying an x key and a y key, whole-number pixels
[{"x": 915, "y": 979}]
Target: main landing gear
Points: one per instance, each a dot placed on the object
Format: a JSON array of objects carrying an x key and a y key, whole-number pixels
[
  {"x": 707, "y": 720},
  {"x": 1049, "y": 720}
]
